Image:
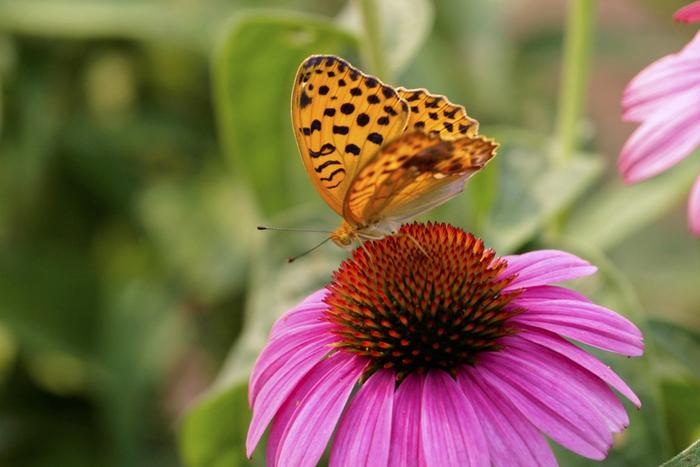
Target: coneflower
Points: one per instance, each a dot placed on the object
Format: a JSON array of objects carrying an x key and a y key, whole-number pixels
[{"x": 461, "y": 358}]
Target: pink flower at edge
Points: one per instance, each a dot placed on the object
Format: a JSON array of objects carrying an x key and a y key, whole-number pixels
[
  {"x": 463, "y": 359},
  {"x": 689, "y": 13},
  {"x": 665, "y": 99}
]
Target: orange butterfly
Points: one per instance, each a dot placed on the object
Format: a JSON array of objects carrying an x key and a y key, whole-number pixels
[{"x": 378, "y": 155}]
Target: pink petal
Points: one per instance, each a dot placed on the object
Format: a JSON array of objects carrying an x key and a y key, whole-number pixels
[
  {"x": 406, "y": 447},
  {"x": 689, "y": 13},
  {"x": 309, "y": 311},
  {"x": 552, "y": 292},
  {"x": 544, "y": 267},
  {"x": 570, "y": 423},
  {"x": 364, "y": 433},
  {"x": 304, "y": 344},
  {"x": 513, "y": 440},
  {"x": 694, "y": 208},
  {"x": 450, "y": 430},
  {"x": 547, "y": 365},
  {"x": 271, "y": 390},
  {"x": 306, "y": 421},
  {"x": 664, "y": 139},
  {"x": 319, "y": 372},
  {"x": 660, "y": 83},
  {"x": 581, "y": 357},
  {"x": 585, "y": 322}
]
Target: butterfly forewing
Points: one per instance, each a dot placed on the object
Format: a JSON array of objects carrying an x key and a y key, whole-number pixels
[
  {"x": 432, "y": 114},
  {"x": 341, "y": 118},
  {"x": 413, "y": 174}
]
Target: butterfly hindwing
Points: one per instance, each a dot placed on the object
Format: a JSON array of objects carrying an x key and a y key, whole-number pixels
[
  {"x": 413, "y": 174},
  {"x": 431, "y": 114},
  {"x": 341, "y": 118}
]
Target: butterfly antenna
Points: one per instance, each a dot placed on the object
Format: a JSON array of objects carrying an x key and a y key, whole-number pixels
[
  {"x": 265, "y": 227},
  {"x": 294, "y": 258}
]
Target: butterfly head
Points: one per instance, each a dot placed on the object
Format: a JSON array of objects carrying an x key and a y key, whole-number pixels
[{"x": 344, "y": 236}]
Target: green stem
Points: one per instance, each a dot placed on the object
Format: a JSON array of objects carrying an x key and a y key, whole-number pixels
[
  {"x": 373, "y": 48},
  {"x": 577, "y": 53}
]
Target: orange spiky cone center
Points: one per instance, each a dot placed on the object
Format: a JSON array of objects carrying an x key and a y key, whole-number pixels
[{"x": 429, "y": 297}]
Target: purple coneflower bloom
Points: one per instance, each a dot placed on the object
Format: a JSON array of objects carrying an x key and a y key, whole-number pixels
[
  {"x": 665, "y": 99},
  {"x": 461, "y": 358}
]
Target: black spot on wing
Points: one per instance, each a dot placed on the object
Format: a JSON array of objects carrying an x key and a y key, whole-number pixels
[
  {"x": 376, "y": 138},
  {"x": 362, "y": 119},
  {"x": 340, "y": 130},
  {"x": 332, "y": 175},
  {"x": 352, "y": 149},
  {"x": 325, "y": 150},
  {"x": 304, "y": 100},
  {"x": 347, "y": 108},
  {"x": 323, "y": 90},
  {"x": 320, "y": 168},
  {"x": 329, "y": 112},
  {"x": 450, "y": 114}
]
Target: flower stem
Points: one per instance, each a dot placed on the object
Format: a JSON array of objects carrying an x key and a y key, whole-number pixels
[
  {"x": 574, "y": 81},
  {"x": 373, "y": 48}
]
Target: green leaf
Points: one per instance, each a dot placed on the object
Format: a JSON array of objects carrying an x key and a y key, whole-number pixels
[
  {"x": 681, "y": 342},
  {"x": 254, "y": 67},
  {"x": 531, "y": 190},
  {"x": 213, "y": 432},
  {"x": 682, "y": 409},
  {"x": 612, "y": 214},
  {"x": 688, "y": 458},
  {"x": 404, "y": 26}
]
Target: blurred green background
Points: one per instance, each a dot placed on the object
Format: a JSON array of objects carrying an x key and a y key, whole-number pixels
[{"x": 141, "y": 142}]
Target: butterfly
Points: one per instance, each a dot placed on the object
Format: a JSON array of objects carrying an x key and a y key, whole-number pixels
[{"x": 380, "y": 155}]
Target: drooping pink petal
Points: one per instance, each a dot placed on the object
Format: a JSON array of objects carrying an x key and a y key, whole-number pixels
[
  {"x": 284, "y": 358},
  {"x": 450, "y": 431},
  {"x": 661, "y": 82},
  {"x": 545, "y": 365},
  {"x": 581, "y": 357},
  {"x": 307, "y": 312},
  {"x": 585, "y": 322},
  {"x": 513, "y": 440},
  {"x": 406, "y": 446},
  {"x": 552, "y": 292},
  {"x": 320, "y": 371},
  {"x": 694, "y": 208},
  {"x": 303, "y": 425},
  {"x": 665, "y": 138},
  {"x": 544, "y": 267},
  {"x": 272, "y": 389},
  {"x": 576, "y": 427},
  {"x": 689, "y": 13},
  {"x": 364, "y": 433}
]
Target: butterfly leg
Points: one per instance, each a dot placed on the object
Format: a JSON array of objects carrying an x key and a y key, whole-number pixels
[{"x": 420, "y": 247}]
